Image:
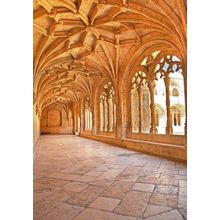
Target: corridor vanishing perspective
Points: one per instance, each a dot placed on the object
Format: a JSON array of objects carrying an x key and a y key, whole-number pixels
[
  {"x": 109, "y": 73},
  {"x": 112, "y": 70},
  {"x": 80, "y": 179}
]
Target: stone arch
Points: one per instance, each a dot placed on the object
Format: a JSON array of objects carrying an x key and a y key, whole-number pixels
[
  {"x": 87, "y": 117},
  {"x": 130, "y": 67}
]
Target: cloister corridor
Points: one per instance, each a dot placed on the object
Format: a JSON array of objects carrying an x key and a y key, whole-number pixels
[{"x": 81, "y": 179}]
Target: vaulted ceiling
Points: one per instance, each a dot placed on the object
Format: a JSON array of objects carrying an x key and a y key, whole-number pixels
[{"x": 79, "y": 42}]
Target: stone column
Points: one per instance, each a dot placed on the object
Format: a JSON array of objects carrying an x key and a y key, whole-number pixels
[
  {"x": 108, "y": 125},
  {"x": 124, "y": 114},
  {"x": 94, "y": 115},
  {"x": 118, "y": 117},
  {"x": 113, "y": 125},
  {"x": 61, "y": 117},
  {"x": 73, "y": 119},
  {"x": 99, "y": 116},
  {"x": 169, "y": 128},
  {"x": 185, "y": 98},
  {"x": 151, "y": 86},
  {"x": 82, "y": 118},
  {"x": 104, "y": 112},
  {"x": 76, "y": 118},
  {"x": 87, "y": 123},
  {"x": 140, "y": 118},
  {"x": 73, "y": 122},
  {"x": 85, "y": 115}
]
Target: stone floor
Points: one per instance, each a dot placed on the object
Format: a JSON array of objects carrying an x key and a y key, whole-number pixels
[{"x": 80, "y": 179}]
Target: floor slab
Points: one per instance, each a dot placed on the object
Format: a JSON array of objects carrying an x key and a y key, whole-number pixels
[{"x": 76, "y": 178}]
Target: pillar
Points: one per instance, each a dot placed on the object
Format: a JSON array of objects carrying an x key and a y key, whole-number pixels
[
  {"x": 185, "y": 98},
  {"x": 93, "y": 119},
  {"x": 118, "y": 126},
  {"x": 73, "y": 119},
  {"x": 76, "y": 118},
  {"x": 100, "y": 116},
  {"x": 61, "y": 118},
  {"x": 114, "y": 115},
  {"x": 104, "y": 112},
  {"x": 140, "y": 117},
  {"x": 108, "y": 125},
  {"x": 169, "y": 128},
  {"x": 153, "y": 128}
]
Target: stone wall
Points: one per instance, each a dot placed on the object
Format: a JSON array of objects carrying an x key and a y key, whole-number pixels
[
  {"x": 36, "y": 126},
  {"x": 56, "y": 121},
  {"x": 167, "y": 150}
]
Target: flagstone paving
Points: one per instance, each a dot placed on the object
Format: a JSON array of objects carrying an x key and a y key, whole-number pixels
[{"x": 81, "y": 179}]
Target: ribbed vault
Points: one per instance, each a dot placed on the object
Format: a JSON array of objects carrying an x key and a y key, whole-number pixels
[{"x": 80, "y": 42}]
